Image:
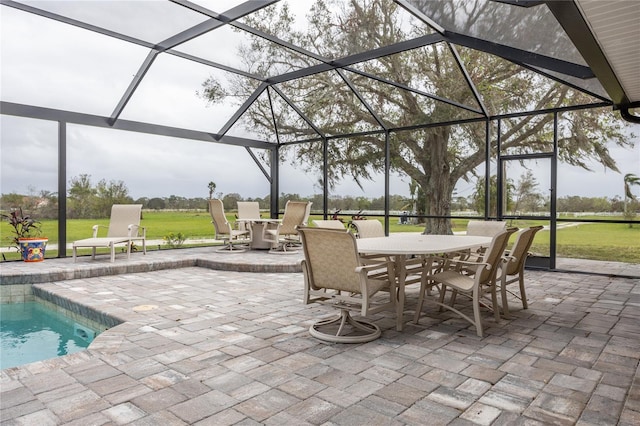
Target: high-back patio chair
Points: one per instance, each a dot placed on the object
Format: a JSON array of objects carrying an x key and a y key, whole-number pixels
[
  {"x": 481, "y": 281},
  {"x": 247, "y": 210},
  {"x": 224, "y": 230},
  {"x": 368, "y": 228},
  {"x": 331, "y": 224},
  {"x": 124, "y": 228},
  {"x": 334, "y": 274},
  {"x": 307, "y": 213},
  {"x": 513, "y": 270},
  {"x": 284, "y": 235},
  {"x": 485, "y": 228}
]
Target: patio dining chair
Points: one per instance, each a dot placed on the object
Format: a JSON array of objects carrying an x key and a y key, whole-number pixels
[
  {"x": 247, "y": 210},
  {"x": 331, "y": 224},
  {"x": 475, "y": 285},
  {"x": 224, "y": 230},
  {"x": 415, "y": 267},
  {"x": 368, "y": 228},
  {"x": 481, "y": 228},
  {"x": 485, "y": 228},
  {"x": 283, "y": 235},
  {"x": 513, "y": 270},
  {"x": 335, "y": 274},
  {"x": 124, "y": 228}
]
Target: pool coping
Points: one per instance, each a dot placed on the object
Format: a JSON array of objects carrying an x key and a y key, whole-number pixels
[{"x": 26, "y": 285}]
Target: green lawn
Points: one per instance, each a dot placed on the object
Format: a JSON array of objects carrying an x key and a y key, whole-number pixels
[{"x": 597, "y": 241}]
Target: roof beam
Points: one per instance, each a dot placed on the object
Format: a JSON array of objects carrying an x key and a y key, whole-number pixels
[
  {"x": 109, "y": 33},
  {"x": 413, "y": 90},
  {"x": 298, "y": 111},
  {"x": 237, "y": 12},
  {"x": 358, "y": 57},
  {"x": 573, "y": 23},
  {"x": 519, "y": 55},
  {"x": 214, "y": 64},
  {"x": 327, "y": 61},
  {"x": 521, "y": 3},
  {"x": 362, "y": 100},
  {"x": 467, "y": 79},
  {"x": 243, "y": 108},
  {"x": 41, "y": 113},
  {"x": 133, "y": 85},
  {"x": 217, "y": 20},
  {"x": 186, "y": 35},
  {"x": 420, "y": 15}
]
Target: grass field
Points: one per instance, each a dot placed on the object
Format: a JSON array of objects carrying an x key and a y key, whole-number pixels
[{"x": 596, "y": 241}]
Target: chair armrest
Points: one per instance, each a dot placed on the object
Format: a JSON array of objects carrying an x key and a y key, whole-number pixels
[
  {"x": 373, "y": 267},
  {"x": 137, "y": 229},
  {"x": 370, "y": 259},
  {"x": 508, "y": 258},
  {"x": 474, "y": 257},
  {"x": 447, "y": 260},
  {"x": 271, "y": 226},
  {"x": 134, "y": 231},
  {"x": 458, "y": 264},
  {"x": 95, "y": 230}
]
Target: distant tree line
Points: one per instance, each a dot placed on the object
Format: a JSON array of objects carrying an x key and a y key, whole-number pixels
[{"x": 88, "y": 200}]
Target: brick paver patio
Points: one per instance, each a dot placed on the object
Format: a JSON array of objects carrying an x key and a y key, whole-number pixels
[{"x": 213, "y": 347}]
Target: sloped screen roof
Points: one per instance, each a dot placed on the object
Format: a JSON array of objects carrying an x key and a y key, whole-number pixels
[{"x": 274, "y": 71}]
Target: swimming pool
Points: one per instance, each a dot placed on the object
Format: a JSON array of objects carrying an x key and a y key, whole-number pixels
[{"x": 32, "y": 332}]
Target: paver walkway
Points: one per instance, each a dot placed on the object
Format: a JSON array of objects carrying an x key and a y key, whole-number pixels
[{"x": 211, "y": 347}]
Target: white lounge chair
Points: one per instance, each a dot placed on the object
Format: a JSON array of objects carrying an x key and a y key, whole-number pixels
[{"x": 124, "y": 228}]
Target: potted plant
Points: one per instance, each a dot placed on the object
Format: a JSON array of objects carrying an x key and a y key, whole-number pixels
[{"x": 26, "y": 237}]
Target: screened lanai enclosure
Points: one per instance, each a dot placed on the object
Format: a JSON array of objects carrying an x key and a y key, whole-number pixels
[{"x": 440, "y": 111}]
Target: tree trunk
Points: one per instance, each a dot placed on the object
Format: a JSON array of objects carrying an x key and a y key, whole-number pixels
[
  {"x": 439, "y": 204},
  {"x": 437, "y": 185}
]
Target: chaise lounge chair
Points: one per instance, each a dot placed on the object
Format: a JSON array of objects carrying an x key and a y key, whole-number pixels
[{"x": 124, "y": 228}]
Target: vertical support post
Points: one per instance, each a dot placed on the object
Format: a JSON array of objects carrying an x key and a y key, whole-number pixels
[
  {"x": 325, "y": 177},
  {"x": 554, "y": 193},
  {"x": 387, "y": 169},
  {"x": 500, "y": 187},
  {"x": 62, "y": 189},
  {"x": 487, "y": 166},
  {"x": 275, "y": 181}
]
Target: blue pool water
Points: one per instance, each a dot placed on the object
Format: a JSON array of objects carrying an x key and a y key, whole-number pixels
[{"x": 32, "y": 332}]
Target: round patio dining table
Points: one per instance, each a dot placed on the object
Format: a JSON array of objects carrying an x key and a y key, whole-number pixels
[{"x": 400, "y": 245}]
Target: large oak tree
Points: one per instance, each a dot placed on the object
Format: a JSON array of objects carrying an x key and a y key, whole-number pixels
[{"x": 435, "y": 158}]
